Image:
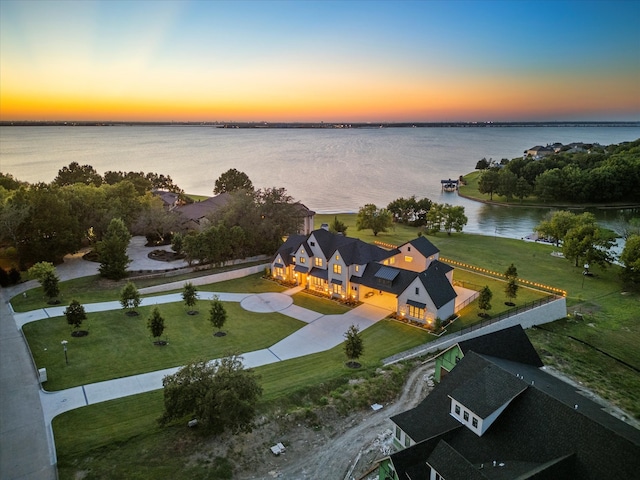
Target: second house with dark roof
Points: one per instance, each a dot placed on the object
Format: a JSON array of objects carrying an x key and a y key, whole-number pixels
[{"x": 409, "y": 279}]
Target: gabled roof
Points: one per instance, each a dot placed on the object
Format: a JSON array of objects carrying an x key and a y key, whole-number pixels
[
  {"x": 437, "y": 284},
  {"x": 424, "y": 246},
  {"x": 353, "y": 250},
  {"x": 290, "y": 245},
  {"x": 489, "y": 390},
  {"x": 509, "y": 343},
  {"x": 540, "y": 434}
]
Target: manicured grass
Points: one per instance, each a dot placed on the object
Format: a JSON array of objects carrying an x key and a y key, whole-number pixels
[
  {"x": 123, "y": 438},
  {"x": 319, "y": 304},
  {"x": 119, "y": 345},
  {"x": 96, "y": 289}
]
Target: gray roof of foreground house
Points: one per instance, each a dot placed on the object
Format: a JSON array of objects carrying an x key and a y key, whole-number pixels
[
  {"x": 353, "y": 250},
  {"x": 510, "y": 343},
  {"x": 289, "y": 247},
  {"x": 549, "y": 430}
]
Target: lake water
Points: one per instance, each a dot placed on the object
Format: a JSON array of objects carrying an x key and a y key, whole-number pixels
[{"x": 329, "y": 170}]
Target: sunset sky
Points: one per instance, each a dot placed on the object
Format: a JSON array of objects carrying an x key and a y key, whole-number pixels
[{"x": 332, "y": 61}]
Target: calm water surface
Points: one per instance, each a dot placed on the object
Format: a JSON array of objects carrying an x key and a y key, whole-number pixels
[{"x": 329, "y": 170}]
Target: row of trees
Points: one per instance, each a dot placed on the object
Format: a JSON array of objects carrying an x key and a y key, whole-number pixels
[
  {"x": 434, "y": 217},
  {"x": 602, "y": 174},
  {"x": 44, "y": 222}
]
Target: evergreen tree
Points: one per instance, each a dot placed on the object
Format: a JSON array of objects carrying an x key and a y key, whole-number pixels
[
  {"x": 112, "y": 250},
  {"x": 155, "y": 323},
  {"x": 75, "y": 314},
  {"x": 484, "y": 300}
]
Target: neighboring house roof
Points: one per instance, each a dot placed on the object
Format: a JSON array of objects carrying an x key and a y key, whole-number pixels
[
  {"x": 549, "y": 430},
  {"x": 169, "y": 199},
  {"x": 423, "y": 245},
  {"x": 509, "y": 343},
  {"x": 196, "y": 211}
]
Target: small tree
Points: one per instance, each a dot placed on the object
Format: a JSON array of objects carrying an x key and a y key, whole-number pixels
[
  {"x": 484, "y": 300},
  {"x": 377, "y": 219},
  {"x": 217, "y": 316},
  {"x": 155, "y": 324},
  {"x": 75, "y": 314},
  {"x": 511, "y": 288},
  {"x": 338, "y": 227},
  {"x": 190, "y": 297},
  {"x": 221, "y": 395},
  {"x": 130, "y": 298},
  {"x": 511, "y": 291},
  {"x": 353, "y": 346},
  {"x": 45, "y": 273}
]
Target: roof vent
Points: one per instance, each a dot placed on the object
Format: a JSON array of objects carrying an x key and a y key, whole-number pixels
[{"x": 575, "y": 406}]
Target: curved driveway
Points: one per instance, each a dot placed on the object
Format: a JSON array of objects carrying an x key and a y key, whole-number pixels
[{"x": 27, "y": 450}]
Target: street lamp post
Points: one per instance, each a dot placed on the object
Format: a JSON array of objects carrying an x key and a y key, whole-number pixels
[{"x": 64, "y": 346}]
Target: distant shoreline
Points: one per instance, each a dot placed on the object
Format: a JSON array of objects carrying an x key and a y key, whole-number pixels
[{"x": 317, "y": 125}]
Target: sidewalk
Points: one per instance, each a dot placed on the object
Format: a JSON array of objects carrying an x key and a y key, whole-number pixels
[
  {"x": 321, "y": 332},
  {"x": 27, "y": 449}
]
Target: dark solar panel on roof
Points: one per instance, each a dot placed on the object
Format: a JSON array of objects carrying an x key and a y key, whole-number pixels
[{"x": 387, "y": 273}]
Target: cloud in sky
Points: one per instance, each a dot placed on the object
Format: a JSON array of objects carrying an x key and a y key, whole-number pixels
[{"x": 328, "y": 60}]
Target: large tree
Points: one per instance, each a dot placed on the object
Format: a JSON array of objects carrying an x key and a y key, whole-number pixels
[
  {"x": 454, "y": 218},
  {"x": 112, "y": 250},
  {"x": 231, "y": 181},
  {"x": 489, "y": 182},
  {"x": 588, "y": 243},
  {"x": 221, "y": 395},
  {"x": 556, "y": 225},
  {"x": 374, "y": 218},
  {"x": 76, "y": 173},
  {"x": 630, "y": 258}
]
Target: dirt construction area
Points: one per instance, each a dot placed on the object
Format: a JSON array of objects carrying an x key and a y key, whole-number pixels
[{"x": 323, "y": 445}]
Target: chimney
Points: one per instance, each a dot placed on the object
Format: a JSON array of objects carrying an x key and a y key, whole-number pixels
[{"x": 325, "y": 226}]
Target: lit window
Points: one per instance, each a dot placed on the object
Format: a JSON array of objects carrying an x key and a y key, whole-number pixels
[
  {"x": 337, "y": 257},
  {"x": 474, "y": 422},
  {"x": 337, "y": 268},
  {"x": 357, "y": 268},
  {"x": 302, "y": 251},
  {"x": 392, "y": 260},
  {"x": 303, "y": 260},
  {"x": 318, "y": 261},
  {"x": 416, "y": 312},
  {"x": 337, "y": 289},
  {"x": 465, "y": 415},
  {"x": 408, "y": 259}
]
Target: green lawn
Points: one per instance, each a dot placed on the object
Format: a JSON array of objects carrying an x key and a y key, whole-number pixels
[
  {"x": 119, "y": 345},
  {"x": 319, "y": 304},
  {"x": 123, "y": 438},
  {"x": 96, "y": 289}
]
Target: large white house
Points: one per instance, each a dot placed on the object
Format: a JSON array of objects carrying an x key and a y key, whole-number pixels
[{"x": 410, "y": 278}]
